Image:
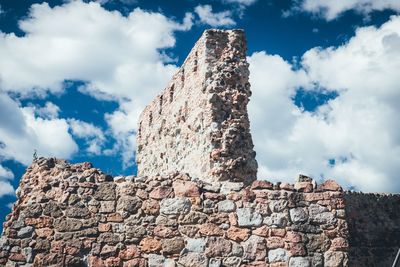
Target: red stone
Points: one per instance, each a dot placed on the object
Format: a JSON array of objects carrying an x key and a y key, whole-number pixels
[
  {"x": 113, "y": 262},
  {"x": 339, "y": 243},
  {"x": 164, "y": 232},
  {"x": 261, "y": 184},
  {"x": 140, "y": 262},
  {"x": 293, "y": 237},
  {"x": 161, "y": 192},
  {"x": 303, "y": 187},
  {"x": 185, "y": 189},
  {"x": 96, "y": 261},
  {"x": 149, "y": 244},
  {"x": 210, "y": 229},
  {"x": 151, "y": 206},
  {"x": 278, "y": 232},
  {"x": 330, "y": 185},
  {"x": 275, "y": 242},
  {"x": 17, "y": 257},
  {"x": 129, "y": 252},
  {"x": 237, "y": 234},
  {"x": 104, "y": 227},
  {"x": 115, "y": 217},
  {"x": 44, "y": 232},
  {"x": 261, "y": 231}
]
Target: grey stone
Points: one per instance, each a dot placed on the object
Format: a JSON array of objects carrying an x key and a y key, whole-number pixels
[
  {"x": 279, "y": 254},
  {"x": 231, "y": 261},
  {"x": 77, "y": 212},
  {"x": 277, "y": 219},
  {"x": 175, "y": 206},
  {"x": 110, "y": 238},
  {"x": 334, "y": 259},
  {"x": 227, "y": 187},
  {"x": 237, "y": 250},
  {"x": 317, "y": 242},
  {"x": 214, "y": 262},
  {"x": 212, "y": 187},
  {"x": 196, "y": 244},
  {"x": 226, "y": 206},
  {"x": 107, "y": 206},
  {"x": 254, "y": 248},
  {"x": 247, "y": 217},
  {"x": 155, "y": 260},
  {"x": 193, "y": 259},
  {"x": 129, "y": 204},
  {"x": 105, "y": 191},
  {"x": 299, "y": 262},
  {"x": 67, "y": 225},
  {"x": 321, "y": 215},
  {"x": 172, "y": 245},
  {"x": 277, "y": 205},
  {"x": 317, "y": 260},
  {"x": 298, "y": 215},
  {"x": 28, "y": 253},
  {"x": 25, "y": 232}
]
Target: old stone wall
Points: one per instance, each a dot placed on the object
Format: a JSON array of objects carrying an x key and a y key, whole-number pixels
[
  {"x": 374, "y": 226},
  {"x": 75, "y": 215},
  {"x": 199, "y": 124}
]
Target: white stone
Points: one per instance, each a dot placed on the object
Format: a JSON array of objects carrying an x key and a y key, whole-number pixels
[
  {"x": 279, "y": 254},
  {"x": 299, "y": 262},
  {"x": 248, "y": 217},
  {"x": 298, "y": 215},
  {"x": 226, "y": 206},
  {"x": 170, "y": 206},
  {"x": 196, "y": 244}
]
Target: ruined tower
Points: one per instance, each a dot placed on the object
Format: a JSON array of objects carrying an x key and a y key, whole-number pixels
[{"x": 199, "y": 123}]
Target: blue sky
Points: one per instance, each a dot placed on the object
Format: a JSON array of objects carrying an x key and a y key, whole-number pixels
[{"x": 74, "y": 76}]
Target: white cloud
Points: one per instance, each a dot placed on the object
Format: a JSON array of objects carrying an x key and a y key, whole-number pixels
[
  {"x": 5, "y": 186},
  {"x": 219, "y": 19},
  {"x": 331, "y": 9},
  {"x": 359, "y": 129},
  {"x": 6, "y": 189},
  {"x": 83, "y": 41},
  {"x": 114, "y": 54},
  {"x": 6, "y": 173},
  {"x": 22, "y": 131},
  {"x": 93, "y": 135},
  {"x": 241, "y": 2}
]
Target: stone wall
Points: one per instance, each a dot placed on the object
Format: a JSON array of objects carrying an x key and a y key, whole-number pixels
[
  {"x": 374, "y": 226},
  {"x": 199, "y": 124},
  {"x": 75, "y": 215}
]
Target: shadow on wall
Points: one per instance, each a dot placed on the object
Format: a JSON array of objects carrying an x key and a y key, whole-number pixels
[{"x": 374, "y": 228}]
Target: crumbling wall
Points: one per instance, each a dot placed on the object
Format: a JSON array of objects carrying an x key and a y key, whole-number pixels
[
  {"x": 374, "y": 226},
  {"x": 75, "y": 215},
  {"x": 199, "y": 123}
]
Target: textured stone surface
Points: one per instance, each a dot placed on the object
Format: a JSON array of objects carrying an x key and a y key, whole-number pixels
[{"x": 199, "y": 123}]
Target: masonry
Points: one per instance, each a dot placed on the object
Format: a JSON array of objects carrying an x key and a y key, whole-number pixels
[
  {"x": 195, "y": 201},
  {"x": 199, "y": 123}
]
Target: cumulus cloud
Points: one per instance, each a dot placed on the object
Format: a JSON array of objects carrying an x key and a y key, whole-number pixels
[
  {"x": 93, "y": 135},
  {"x": 331, "y": 9},
  {"x": 218, "y": 19},
  {"x": 353, "y": 138},
  {"x": 22, "y": 131},
  {"x": 241, "y": 2},
  {"x": 113, "y": 54},
  {"x": 85, "y": 42},
  {"x": 5, "y": 186}
]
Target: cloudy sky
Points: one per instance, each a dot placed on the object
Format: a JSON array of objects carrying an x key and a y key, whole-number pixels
[{"x": 325, "y": 76}]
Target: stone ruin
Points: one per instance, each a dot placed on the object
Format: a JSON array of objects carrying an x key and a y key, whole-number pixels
[{"x": 195, "y": 201}]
